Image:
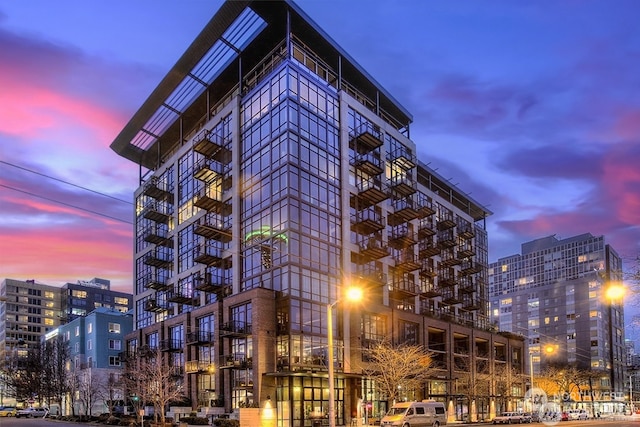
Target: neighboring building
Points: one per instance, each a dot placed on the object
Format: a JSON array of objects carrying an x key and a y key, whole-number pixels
[
  {"x": 554, "y": 295},
  {"x": 274, "y": 172},
  {"x": 80, "y": 298},
  {"x": 95, "y": 342},
  {"x": 28, "y": 310}
]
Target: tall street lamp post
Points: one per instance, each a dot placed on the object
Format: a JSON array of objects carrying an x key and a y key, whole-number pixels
[{"x": 352, "y": 294}]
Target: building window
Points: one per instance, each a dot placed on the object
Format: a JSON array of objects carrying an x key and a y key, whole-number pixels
[
  {"x": 77, "y": 331},
  {"x": 89, "y": 345},
  {"x": 79, "y": 294},
  {"x": 114, "y": 328},
  {"x": 114, "y": 361},
  {"x": 115, "y": 345},
  {"x": 90, "y": 328},
  {"x": 121, "y": 301}
]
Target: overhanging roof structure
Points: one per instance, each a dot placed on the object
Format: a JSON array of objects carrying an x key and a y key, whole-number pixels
[{"x": 237, "y": 38}]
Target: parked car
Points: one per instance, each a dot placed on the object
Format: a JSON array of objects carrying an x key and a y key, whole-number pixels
[
  {"x": 512, "y": 418},
  {"x": 32, "y": 412},
  {"x": 8, "y": 411},
  {"x": 577, "y": 414}
]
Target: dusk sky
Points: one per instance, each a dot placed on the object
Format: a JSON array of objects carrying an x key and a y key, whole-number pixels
[{"x": 532, "y": 107}]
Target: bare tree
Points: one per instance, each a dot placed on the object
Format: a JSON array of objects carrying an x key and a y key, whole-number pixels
[
  {"x": 90, "y": 382},
  {"x": 150, "y": 378},
  {"x": 403, "y": 367},
  {"x": 110, "y": 391}
]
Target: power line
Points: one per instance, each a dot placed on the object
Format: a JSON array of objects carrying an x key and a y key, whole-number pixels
[
  {"x": 65, "y": 204},
  {"x": 65, "y": 182}
]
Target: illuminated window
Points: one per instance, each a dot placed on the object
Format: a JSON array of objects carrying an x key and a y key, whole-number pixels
[
  {"x": 506, "y": 301},
  {"x": 593, "y": 313},
  {"x": 49, "y": 295},
  {"x": 546, "y": 320},
  {"x": 48, "y": 322},
  {"x": 79, "y": 294},
  {"x": 121, "y": 301},
  {"x": 582, "y": 258},
  {"x": 504, "y": 268},
  {"x": 114, "y": 328},
  {"x": 592, "y": 294}
]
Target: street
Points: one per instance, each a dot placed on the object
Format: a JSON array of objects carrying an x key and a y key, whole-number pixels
[{"x": 619, "y": 422}]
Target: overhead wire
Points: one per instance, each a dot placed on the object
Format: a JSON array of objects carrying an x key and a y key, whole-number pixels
[
  {"x": 66, "y": 204},
  {"x": 67, "y": 183}
]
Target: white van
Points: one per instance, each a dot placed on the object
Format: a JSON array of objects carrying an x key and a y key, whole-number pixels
[{"x": 427, "y": 413}]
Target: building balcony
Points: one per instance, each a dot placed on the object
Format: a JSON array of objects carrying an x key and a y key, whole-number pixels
[
  {"x": 158, "y": 235},
  {"x": 235, "y": 329},
  {"x": 424, "y": 205},
  {"x": 402, "y": 157},
  {"x": 196, "y": 366},
  {"x": 208, "y": 170},
  {"x": 209, "y": 282},
  {"x": 368, "y": 163},
  {"x": 402, "y": 236},
  {"x": 365, "y": 138},
  {"x": 156, "y": 211},
  {"x": 401, "y": 287},
  {"x": 370, "y": 249},
  {"x": 447, "y": 277},
  {"x": 182, "y": 296},
  {"x": 446, "y": 238},
  {"x": 367, "y": 221},
  {"x": 466, "y": 285},
  {"x": 211, "y": 201},
  {"x": 465, "y": 229},
  {"x": 427, "y": 288},
  {"x": 209, "y": 254},
  {"x": 214, "y": 226},
  {"x": 370, "y": 192},
  {"x": 426, "y": 228},
  {"x": 200, "y": 337},
  {"x": 403, "y": 185},
  {"x": 371, "y": 278},
  {"x": 469, "y": 301},
  {"x": 171, "y": 345},
  {"x": 406, "y": 261},
  {"x": 470, "y": 267},
  {"x": 154, "y": 306},
  {"x": 404, "y": 210},
  {"x": 159, "y": 257},
  {"x": 450, "y": 296},
  {"x": 156, "y": 189},
  {"x": 448, "y": 258},
  {"x": 445, "y": 219},
  {"x": 235, "y": 361},
  {"x": 428, "y": 248},
  {"x": 157, "y": 280},
  {"x": 427, "y": 268},
  {"x": 213, "y": 146},
  {"x": 466, "y": 250}
]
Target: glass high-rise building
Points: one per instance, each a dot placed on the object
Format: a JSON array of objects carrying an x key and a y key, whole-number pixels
[
  {"x": 275, "y": 171},
  {"x": 555, "y": 295}
]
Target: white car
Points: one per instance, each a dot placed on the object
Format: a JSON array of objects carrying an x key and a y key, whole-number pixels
[
  {"x": 577, "y": 414},
  {"x": 512, "y": 418},
  {"x": 32, "y": 412}
]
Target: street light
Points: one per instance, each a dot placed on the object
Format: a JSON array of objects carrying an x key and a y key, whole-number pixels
[
  {"x": 352, "y": 294},
  {"x": 548, "y": 349}
]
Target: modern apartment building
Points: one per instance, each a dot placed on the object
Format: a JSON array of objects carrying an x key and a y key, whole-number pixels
[
  {"x": 28, "y": 310},
  {"x": 554, "y": 294},
  {"x": 95, "y": 342},
  {"x": 81, "y": 298},
  {"x": 275, "y": 171}
]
